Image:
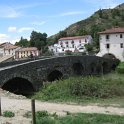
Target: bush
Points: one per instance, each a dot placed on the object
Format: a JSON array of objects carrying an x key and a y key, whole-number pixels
[
  {"x": 8, "y": 114},
  {"x": 82, "y": 88},
  {"x": 120, "y": 68}
]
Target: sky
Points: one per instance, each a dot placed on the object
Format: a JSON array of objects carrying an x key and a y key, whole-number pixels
[{"x": 21, "y": 17}]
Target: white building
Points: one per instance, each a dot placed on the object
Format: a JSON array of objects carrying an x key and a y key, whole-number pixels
[
  {"x": 8, "y": 49},
  {"x": 73, "y": 44},
  {"x": 112, "y": 43}
]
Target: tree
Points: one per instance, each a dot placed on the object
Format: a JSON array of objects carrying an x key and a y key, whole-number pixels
[
  {"x": 23, "y": 42},
  {"x": 94, "y": 33},
  {"x": 60, "y": 35},
  {"x": 100, "y": 13},
  {"x": 89, "y": 47},
  {"x": 38, "y": 40},
  {"x": 82, "y": 31}
]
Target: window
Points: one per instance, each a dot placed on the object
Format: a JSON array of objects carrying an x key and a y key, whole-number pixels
[
  {"x": 79, "y": 41},
  {"x": 72, "y": 42},
  {"x": 66, "y": 45},
  {"x": 107, "y": 37},
  {"x": 66, "y": 42},
  {"x": 107, "y": 46},
  {"x": 121, "y": 36},
  {"x": 121, "y": 45}
]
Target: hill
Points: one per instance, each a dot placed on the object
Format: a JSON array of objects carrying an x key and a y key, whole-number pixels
[{"x": 99, "y": 21}]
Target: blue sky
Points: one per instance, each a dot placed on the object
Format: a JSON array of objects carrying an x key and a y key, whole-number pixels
[{"x": 20, "y": 17}]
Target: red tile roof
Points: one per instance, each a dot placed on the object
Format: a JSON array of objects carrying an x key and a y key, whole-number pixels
[
  {"x": 28, "y": 49},
  {"x": 11, "y": 47},
  {"x": 72, "y": 38},
  {"x": 113, "y": 31}
]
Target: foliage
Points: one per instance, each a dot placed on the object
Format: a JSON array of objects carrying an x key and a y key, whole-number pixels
[
  {"x": 68, "y": 52},
  {"x": 120, "y": 68},
  {"x": 82, "y": 88},
  {"x": 22, "y": 43},
  {"x": 38, "y": 40},
  {"x": 89, "y": 47},
  {"x": 82, "y": 119},
  {"x": 8, "y": 114}
]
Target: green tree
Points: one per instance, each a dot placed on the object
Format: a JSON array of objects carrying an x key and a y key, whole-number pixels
[
  {"x": 23, "y": 42},
  {"x": 38, "y": 40},
  {"x": 60, "y": 35},
  {"x": 94, "y": 33},
  {"x": 100, "y": 13},
  {"x": 82, "y": 32},
  {"x": 89, "y": 47}
]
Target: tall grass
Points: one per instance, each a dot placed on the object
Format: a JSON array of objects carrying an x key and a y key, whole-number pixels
[
  {"x": 76, "y": 88},
  {"x": 82, "y": 119}
]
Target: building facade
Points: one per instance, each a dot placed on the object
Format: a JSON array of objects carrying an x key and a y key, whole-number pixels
[
  {"x": 73, "y": 44},
  {"x": 27, "y": 52},
  {"x": 8, "y": 49},
  {"x": 112, "y": 43}
]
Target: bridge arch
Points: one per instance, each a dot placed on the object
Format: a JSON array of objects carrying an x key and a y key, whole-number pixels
[
  {"x": 78, "y": 68},
  {"x": 109, "y": 56},
  {"x": 54, "y": 75},
  {"x": 19, "y": 85}
]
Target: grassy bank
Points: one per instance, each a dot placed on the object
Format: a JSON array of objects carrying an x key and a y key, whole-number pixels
[
  {"x": 80, "y": 119},
  {"x": 85, "y": 89}
]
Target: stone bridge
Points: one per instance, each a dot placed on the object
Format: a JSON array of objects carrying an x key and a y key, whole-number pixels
[{"x": 27, "y": 77}]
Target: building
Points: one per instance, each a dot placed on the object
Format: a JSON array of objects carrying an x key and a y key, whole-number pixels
[
  {"x": 71, "y": 44},
  {"x": 112, "y": 43},
  {"x": 27, "y": 52},
  {"x": 8, "y": 49}
]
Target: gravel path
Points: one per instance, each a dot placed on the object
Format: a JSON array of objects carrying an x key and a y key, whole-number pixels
[{"x": 21, "y": 106}]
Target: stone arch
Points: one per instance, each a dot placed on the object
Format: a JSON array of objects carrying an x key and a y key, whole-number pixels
[
  {"x": 19, "y": 85},
  {"x": 78, "y": 68},
  {"x": 54, "y": 75},
  {"x": 109, "y": 56}
]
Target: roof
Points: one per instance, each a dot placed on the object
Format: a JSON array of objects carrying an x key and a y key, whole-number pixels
[
  {"x": 28, "y": 49},
  {"x": 11, "y": 47},
  {"x": 72, "y": 38},
  {"x": 113, "y": 30}
]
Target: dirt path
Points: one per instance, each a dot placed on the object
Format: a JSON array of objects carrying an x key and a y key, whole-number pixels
[{"x": 21, "y": 106}]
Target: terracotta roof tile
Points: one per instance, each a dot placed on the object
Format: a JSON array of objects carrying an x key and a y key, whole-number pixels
[
  {"x": 113, "y": 30},
  {"x": 72, "y": 38},
  {"x": 28, "y": 49},
  {"x": 12, "y": 47}
]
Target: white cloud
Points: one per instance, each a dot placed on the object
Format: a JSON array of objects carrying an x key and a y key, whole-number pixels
[
  {"x": 72, "y": 13},
  {"x": 38, "y": 23},
  {"x": 8, "y": 12},
  {"x": 23, "y": 29},
  {"x": 3, "y": 36},
  {"x": 12, "y": 29}
]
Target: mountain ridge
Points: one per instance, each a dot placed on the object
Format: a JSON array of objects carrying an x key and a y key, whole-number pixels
[{"x": 101, "y": 20}]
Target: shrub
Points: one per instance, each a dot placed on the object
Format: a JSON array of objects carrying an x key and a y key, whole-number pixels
[
  {"x": 8, "y": 114},
  {"x": 120, "y": 68}
]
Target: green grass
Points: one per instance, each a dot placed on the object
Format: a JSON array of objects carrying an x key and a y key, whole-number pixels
[
  {"x": 8, "y": 114},
  {"x": 82, "y": 90},
  {"x": 43, "y": 117},
  {"x": 82, "y": 119}
]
